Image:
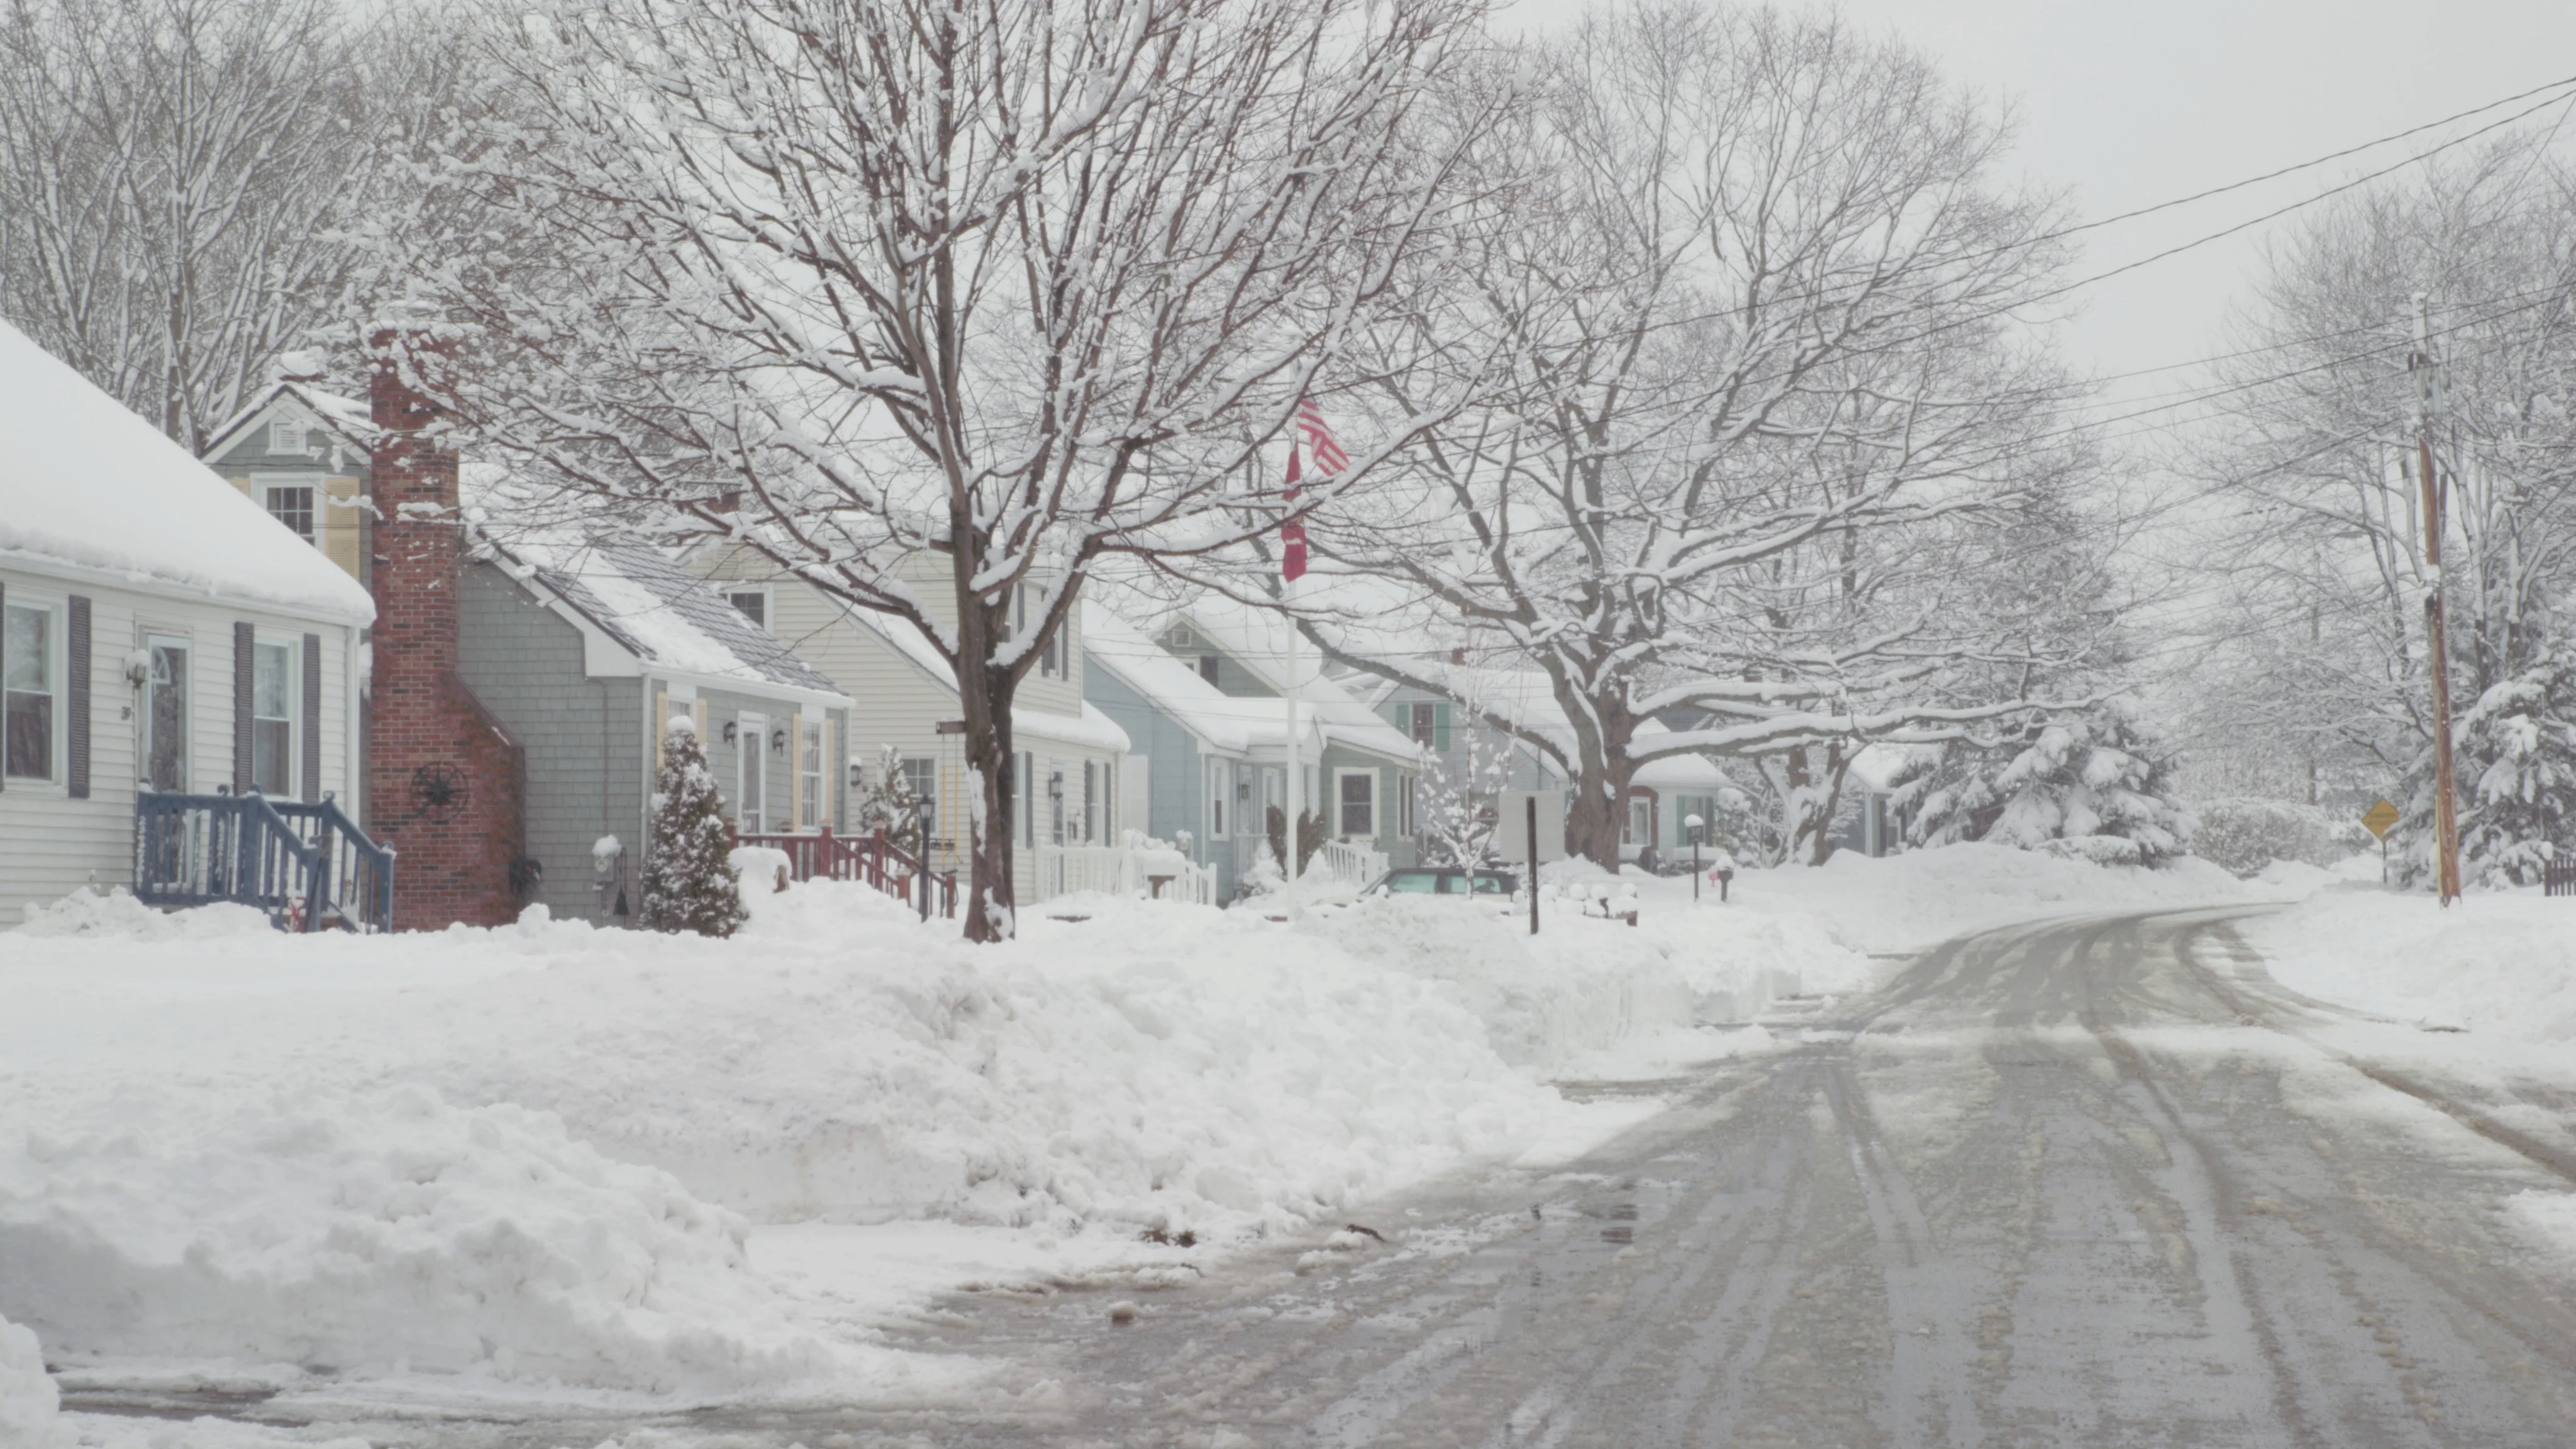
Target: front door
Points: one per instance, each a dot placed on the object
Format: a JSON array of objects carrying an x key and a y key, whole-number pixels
[
  {"x": 751, "y": 809},
  {"x": 165, "y": 715}
]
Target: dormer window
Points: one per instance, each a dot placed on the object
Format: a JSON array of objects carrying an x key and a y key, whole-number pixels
[{"x": 285, "y": 437}]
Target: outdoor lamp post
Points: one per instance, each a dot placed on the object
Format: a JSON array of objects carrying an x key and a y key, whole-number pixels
[{"x": 1694, "y": 825}]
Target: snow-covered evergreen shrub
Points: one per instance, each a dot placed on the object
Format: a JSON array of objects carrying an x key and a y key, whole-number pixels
[
  {"x": 688, "y": 875},
  {"x": 2094, "y": 776},
  {"x": 887, "y": 800},
  {"x": 2242, "y": 835},
  {"x": 2515, "y": 754}
]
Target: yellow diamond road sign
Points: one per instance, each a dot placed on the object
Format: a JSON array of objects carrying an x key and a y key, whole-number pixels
[{"x": 2380, "y": 819}]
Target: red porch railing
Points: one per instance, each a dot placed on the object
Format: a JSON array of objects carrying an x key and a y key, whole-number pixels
[{"x": 872, "y": 858}]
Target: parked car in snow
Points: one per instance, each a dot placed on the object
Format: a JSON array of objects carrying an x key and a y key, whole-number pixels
[{"x": 1446, "y": 881}]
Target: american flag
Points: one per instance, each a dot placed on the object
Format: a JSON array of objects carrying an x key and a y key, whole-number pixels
[{"x": 1313, "y": 438}]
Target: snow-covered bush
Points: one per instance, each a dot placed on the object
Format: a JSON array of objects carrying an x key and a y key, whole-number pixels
[
  {"x": 2517, "y": 773},
  {"x": 2242, "y": 835},
  {"x": 2093, "y": 776},
  {"x": 688, "y": 876}
]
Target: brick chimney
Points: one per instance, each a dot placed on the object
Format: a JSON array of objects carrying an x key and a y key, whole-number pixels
[{"x": 445, "y": 783}]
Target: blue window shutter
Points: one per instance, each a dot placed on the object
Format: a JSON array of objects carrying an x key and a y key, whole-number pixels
[{"x": 1440, "y": 728}]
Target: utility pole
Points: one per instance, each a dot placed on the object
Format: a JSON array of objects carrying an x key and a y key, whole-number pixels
[{"x": 2446, "y": 823}]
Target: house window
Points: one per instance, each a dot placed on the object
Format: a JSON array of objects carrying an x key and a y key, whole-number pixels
[
  {"x": 752, "y": 604},
  {"x": 1220, "y": 796},
  {"x": 27, "y": 692},
  {"x": 809, "y": 773},
  {"x": 294, "y": 508},
  {"x": 1207, "y": 668},
  {"x": 1055, "y": 804},
  {"x": 272, "y": 720},
  {"x": 1641, "y": 822},
  {"x": 1423, "y": 724},
  {"x": 1051, "y": 658},
  {"x": 285, "y": 437},
  {"x": 751, "y": 758},
  {"x": 921, "y": 778},
  {"x": 1355, "y": 798},
  {"x": 1090, "y": 803}
]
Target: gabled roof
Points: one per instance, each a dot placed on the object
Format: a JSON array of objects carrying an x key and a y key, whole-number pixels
[
  {"x": 346, "y": 417},
  {"x": 1258, "y": 640},
  {"x": 1089, "y": 730},
  {"x": 657, "y": 612},
  {"x": 1526, "y": 698},
  {"x": 88, "y": 488},
  {"x": 1222, "y": 721}
]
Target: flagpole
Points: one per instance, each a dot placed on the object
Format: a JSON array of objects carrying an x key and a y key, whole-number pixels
[{"x": 1296, "y": 769}]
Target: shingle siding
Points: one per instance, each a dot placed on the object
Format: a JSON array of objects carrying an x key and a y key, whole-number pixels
[{"x": 583, "y": 737}]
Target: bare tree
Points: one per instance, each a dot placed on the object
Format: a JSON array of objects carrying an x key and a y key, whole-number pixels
[
  {"x": 176, "y": 180},
  {"x": 941, "y": 306},
  {"x": 2317, "y": 638},
  {"x": 1746, "y": 323}
]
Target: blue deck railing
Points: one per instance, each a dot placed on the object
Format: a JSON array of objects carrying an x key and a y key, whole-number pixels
[{"x": 307, "y": 866}]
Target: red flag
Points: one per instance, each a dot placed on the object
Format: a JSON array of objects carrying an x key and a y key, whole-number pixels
[{"x": 1316, "y": 438}]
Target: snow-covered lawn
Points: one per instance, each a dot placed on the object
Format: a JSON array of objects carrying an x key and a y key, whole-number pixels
[{"x": 551, "y": 1161}]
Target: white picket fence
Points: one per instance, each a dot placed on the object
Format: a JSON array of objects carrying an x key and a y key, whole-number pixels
[
  {"x": 1124, "y": 870},
  {"x": 1348, "y": 867}
]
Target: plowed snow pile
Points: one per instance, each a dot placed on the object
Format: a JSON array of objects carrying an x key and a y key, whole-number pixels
[
  {"x": 532, "y": 1154},
  {"x": 2498, "y": 962}
]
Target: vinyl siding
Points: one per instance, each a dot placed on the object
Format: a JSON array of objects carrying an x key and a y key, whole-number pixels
[
  {"x": 583, "y": 737},
  {"x": 901, "y": 703},
  {"x": 51, "y": 844}
]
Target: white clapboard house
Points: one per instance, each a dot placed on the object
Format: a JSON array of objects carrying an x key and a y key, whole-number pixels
[{"x": 160, "y": 636}]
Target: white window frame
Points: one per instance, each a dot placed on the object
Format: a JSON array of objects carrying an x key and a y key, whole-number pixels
[
  {"x": 813, "y": 786},
  {"x": 53, "y": 616},
  {"x": 145, "y": 745},
  {"x": 1220, "y": 795},
  {"x": 293, "y": 649},
  {"x": 1341, "y": 830},
  {"x": 768, "y": 602},
  {"x": 286, "y": 436},
  {"x": 751, "y": 759},
  {"x": 1639, "y": 827},
  {"x": 266, "y": 484}
]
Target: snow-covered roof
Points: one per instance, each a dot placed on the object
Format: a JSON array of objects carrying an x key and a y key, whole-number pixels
[
  {"x": 1221, "y": 721},
  {"x": 347, "y": 416},
  {"x": 1258, "y": 640},
  {"x": 659, "y": 613},
  {"x": 89, "y": 489},
  {"x": 1090, "y": 730},
  {"x": 1527, "y": 699}
]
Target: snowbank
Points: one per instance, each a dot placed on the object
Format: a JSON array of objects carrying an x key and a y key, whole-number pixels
[
  {"x": 1911, "y": 901},
  {"x": 532, "y": 1153},
  {"x": 29, "y": 1403},
  {"x": 2501, "y": 962},
  {"x": 376, "y": 1232}
]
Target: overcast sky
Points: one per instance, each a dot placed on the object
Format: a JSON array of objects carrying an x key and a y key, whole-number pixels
[{"x": 2129, "y": 104}]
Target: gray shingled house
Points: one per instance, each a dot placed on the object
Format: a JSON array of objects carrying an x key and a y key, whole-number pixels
[{"x": 581, "y": 651}]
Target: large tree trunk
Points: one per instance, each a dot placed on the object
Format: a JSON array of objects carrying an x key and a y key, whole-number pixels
[
  {"x": 992, "y": 898},
  {"x": 1602, "y": 772},
  {"x": 984, "y": 694}
]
